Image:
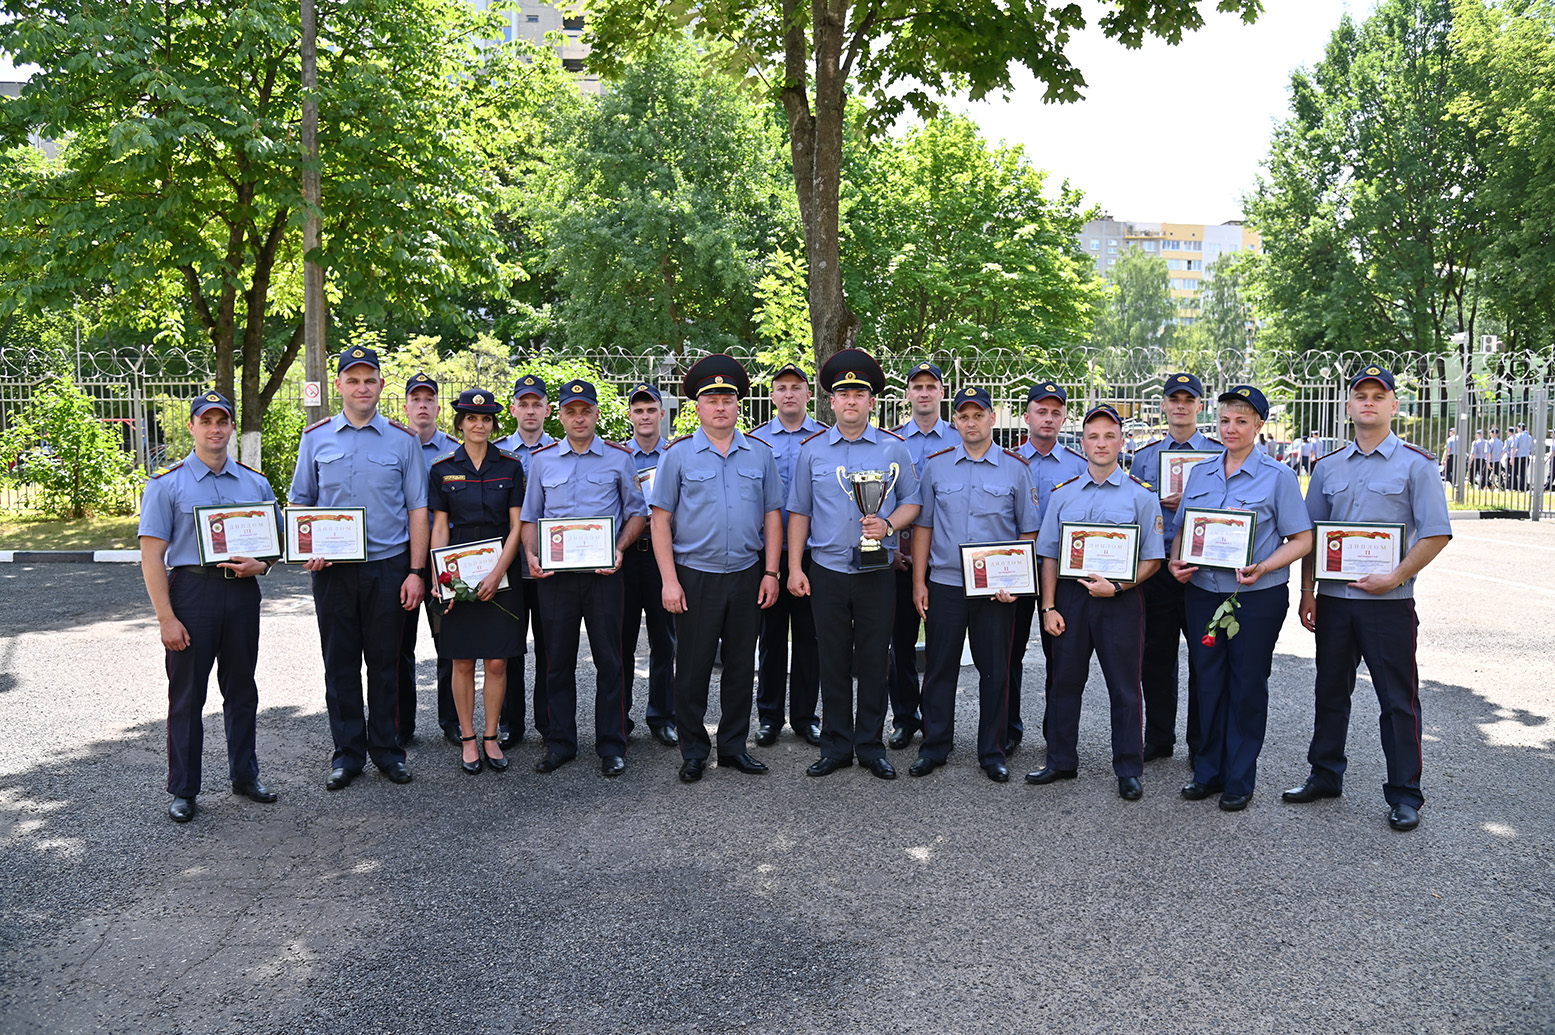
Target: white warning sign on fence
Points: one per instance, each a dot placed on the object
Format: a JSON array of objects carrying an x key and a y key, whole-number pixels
[{"x": 312, "y": 393}]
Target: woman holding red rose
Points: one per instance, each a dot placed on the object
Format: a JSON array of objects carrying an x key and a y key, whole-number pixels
[
  {"x": 1233, "y": 661},
  {"x": 475, "y": 493}
]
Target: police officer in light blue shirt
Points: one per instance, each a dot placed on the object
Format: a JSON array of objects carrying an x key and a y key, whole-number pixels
[
  {"x": 1375, "y": 478},
  {"x": 1233, "y": 671},
  {"x": 1096, "y": 614},
  {"x": 1166, "y": 623},
  {"x": 853, "y": 605},
  {"x": 1048, "y": 464},
  {"x": 530, "y": 407},
  {"x": 788, "y": 625},
  {"x": 717, "y": 526},
  {"x": 974, "y": 492},
  {"x": 583, "y": 476},
  {"x": 640, "y": 572},
  {"x": 421, "y": 418},
  {"x": 360, "y": 458},
  {"x": 925, "y": 433},
  {"x": 205, "y": 613}
]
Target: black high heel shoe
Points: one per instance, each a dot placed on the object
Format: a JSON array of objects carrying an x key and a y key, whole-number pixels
[
  {"x": 498, "y": 765},
  {"x": 470, "y": 767}
]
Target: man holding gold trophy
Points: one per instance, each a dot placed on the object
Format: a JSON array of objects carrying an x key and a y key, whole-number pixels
[{"x": 844, "y": 480}]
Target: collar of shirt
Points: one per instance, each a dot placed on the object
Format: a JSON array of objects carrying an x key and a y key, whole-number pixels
[
  {"x": 379, "y": 423},
  {"x": 638, "y": 450},
  {"x": 871, "y": 435},
  {"x": 1197, "y": 440},
  {"x": 775, "y": 427},
  {"x": 200, "y": 469},
  {"x": 990, "y": 457},
  {"x": 595, "y": 446},
  {"x": 700, "y": 441},
  {"x": 1115, "y": 478},
  {"x": 911, "y": 428},
  {"x": 1387, "y": 447}
]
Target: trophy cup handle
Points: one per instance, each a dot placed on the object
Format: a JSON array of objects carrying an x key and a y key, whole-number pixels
[
  {"x": 844, "y": 485},
  {"x": 896, "y": 470}
]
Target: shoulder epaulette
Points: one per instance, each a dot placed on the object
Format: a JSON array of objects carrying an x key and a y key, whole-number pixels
[
  {"x": 1425, "y": 453},
  {"x": 1140, "y": 483},
  {"x": 618, "y": 445},
  {"x": 1066, "y": 481},
  {"x": 317, "y": 424},
  {"x": 1080, "y": 456},
  {"x": 396, "y": 424},
  {"x": 942, "y": 452},
  {"x": 540, "y": 449},
  {"x": 255, "y": 470},
  {"x": 893, "y": 434},
  {"x": 677, "y": 438},
  {"x": 1016, "y": 455},
  {"x": 449, "y": 456},
  {"x": 170, "y": 470},
  {"x": 755, "y": 438},
  {"x": 1216, "y": 441},
  {"x": 818, "y": 434},
  {"x": 505, "y": 452},
  {"x": 1152, "y": 442},
  {"x": 1325, "y": 456},
  {"x": 824, "y": 427},
  {"x": 898, "y": 429}
]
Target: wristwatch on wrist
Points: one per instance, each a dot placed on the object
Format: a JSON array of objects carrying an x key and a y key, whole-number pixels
[
  {"x": 773, "y": 574},
  {"x": 890, "y": 529},
  {"x": 1045, "y": 610},
  {"x": 419, "y": 572}
]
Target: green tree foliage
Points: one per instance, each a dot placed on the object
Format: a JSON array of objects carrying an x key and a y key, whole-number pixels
[
  {"x": 894, "y": 55},
  {"x": 953, "y": 246},
  {"x": 175, "y": 194},
  {"x": 1134, "y": 326},
  {"x": 660, "y": 203},
  {"x": 57, "y": 443}
]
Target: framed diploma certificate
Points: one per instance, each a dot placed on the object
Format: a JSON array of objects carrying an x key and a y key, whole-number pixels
[
  {"x": 1174, "y": 467},
  {"x": 1111, "y": 551},
  {"x": 470, "y": 563},
  {"x": 577, "y": 544},
  {"x": 333, "y": 533},
  {"x": 249, "y": 530},
  {"x": 986, "y": 568},
  {"x": 1346, "y": 550},
  {"x": 1217, "y": 538},
  {"x": 645, "y": 482}
]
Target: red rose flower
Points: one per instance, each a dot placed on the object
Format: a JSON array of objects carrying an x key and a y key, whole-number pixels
[
  {"x": 1208, "y": 640},
  {"x": 445, "y": 579}
]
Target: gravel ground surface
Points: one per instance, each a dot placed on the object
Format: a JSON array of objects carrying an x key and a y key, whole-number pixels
[{"x": 776, "y": 903}]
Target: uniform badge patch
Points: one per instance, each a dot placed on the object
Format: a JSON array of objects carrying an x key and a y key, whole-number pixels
[
  {"x": 1159, "y": 524},
  {"x": 452, "y": 478},
  {"x": 1034, "y": 495}
]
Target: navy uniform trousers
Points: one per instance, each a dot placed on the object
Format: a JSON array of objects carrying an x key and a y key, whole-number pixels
[
  {"x": 1165, "y": 622},
  {"x": 361, "y": 620},
  {"x": 644, "y": 589},
  {"x": 722, "y": 610},
  {"x": 1234, "y": 684},
  {"x": 1025, "y": 617},
  {"x": 1114, "y": 629},
  {"x": 513, "y": 703},
  {"x": 221, "y": 616},
  {"x": 567, "y": 598},
  {"x": 906, "y": 695},
  {"x": 988, "y": 625},
  {"x": 1383, "y": 632},
  {"x": 779, "y": 676},
  {"x": 853, "y": 635},
  {"x": 447, "y": 718}
]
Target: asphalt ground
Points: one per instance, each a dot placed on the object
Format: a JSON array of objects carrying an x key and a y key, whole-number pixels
[{"x": 776, "y": 903}]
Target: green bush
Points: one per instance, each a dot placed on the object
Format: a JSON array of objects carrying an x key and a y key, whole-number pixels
[
  {"x": 281, "y": 433},
  {"x": 57, "y": 443}
]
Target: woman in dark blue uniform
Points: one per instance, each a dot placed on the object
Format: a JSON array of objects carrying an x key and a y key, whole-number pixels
[{"x": 475, "y": 493}]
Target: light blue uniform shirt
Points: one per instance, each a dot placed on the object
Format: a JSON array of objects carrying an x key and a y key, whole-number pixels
[
  {"x": 1055, "y": 468},
  {"x": 988, "y": 500},
  {"x": 1521, "y": 445},
  {"x": 1394, "y": 483},
  {"x": 378, "y": 466},
  {"x": 834, "y": 517},
  {"x": 785, "y": 449},
  {"x": 718, "y": 503},
  {"x": 1118, "y": 500},
  {"x": 644, "y": 459},
  {"x": 515, "y": 445},
  {"x": 439, "y": 444},
  {"x": 601, "y": 481},
  {"x": 1147, "y": 468},
  {"x": 1267, "y": 488},
  {"x": 167, "y": 509},
  {"x": 922, "y": 443},
  {"x": 1496, "y": 450}
]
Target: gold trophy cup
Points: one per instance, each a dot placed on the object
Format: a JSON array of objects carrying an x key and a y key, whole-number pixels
[{"x": 869, "y": 490}]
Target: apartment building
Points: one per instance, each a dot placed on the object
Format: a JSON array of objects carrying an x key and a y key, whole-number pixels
[
  {"x": 531, "y": 20},
  {"x": 1188, "y": 248}
]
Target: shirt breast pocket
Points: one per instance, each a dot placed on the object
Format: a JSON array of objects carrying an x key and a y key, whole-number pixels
[
  {"x": 332, "y": 470},
  {"x": 1113, "y": 515},
  {"x": 383, "y": 471},
  {"x": 602, "y": 489},
  {"x": 750, "y": 482},
  {"x": 949, "y": 494},
  {"x": 700, "y": 485},
  {"x": 1386, "y": 499},
  {"x": 992, "y": 500}
]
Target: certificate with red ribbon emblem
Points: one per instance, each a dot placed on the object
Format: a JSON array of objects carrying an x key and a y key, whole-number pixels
[
  {"x": 577, "y": 544},
  {"x": 1217, "y": 538},
  {"x": 249, "y": 530},
  {"x": 333, "y": 533},
  {"x": 1111, "y": 551},
  {"x": 987, "y": 568},
  {"x": 1348, "y": 550}
]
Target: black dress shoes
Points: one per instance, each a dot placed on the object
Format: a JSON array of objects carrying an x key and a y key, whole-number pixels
[
  {"x": 1403, "y": 817},
  {"x": 612, "y": 765},
  {"x": 1130, "y": 789},
  {"x": 691, "y": 769},
  {"x": 1047, "y": 774},
  {"x": 550, "y": 762},
  {"x": 924, "y": 766},
  {"x": 826, "y": 766},
  {"x": 812, "y": 734},
  {"x": 339, "y": 778},
  {"x": 1234, "y": 802},
  {"x": 1011, "y": 746},
  {"x": 507, "y": 739},
  {"x": 666, "y": 735},
  {"x": 498, "y": 765},
  {"x": 253, "y": 790},
  {"x": 398, "y": 772},
  {"x": 766, "y": 734},
  {"x": 451, "y": 735},
  {"x": 181, "y": 810},
  {"x": 881, "y": 768},
  {"x": 1309, "y": 791},
  {"x": 1195, "y": 791},
  {"x": 405, "y": 739},
  {"x": 901, "y": 736},
  {"x": 1155, "y": 751},
  {"x": 745, "y": 762},
  {"x": 998, "y": 772}
]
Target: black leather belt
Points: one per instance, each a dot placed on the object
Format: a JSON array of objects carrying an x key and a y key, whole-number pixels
[
  {"x": 644, "y": 545},
  {"x": 211, "y": 572}
]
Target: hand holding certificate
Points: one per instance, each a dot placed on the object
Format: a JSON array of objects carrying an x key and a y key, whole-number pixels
[
  {"x": 1217, "y": 538},
  {"x": 1349, "y": 551},
  {"x": 247, "y": 531},
  {"x": 469, "y": 563},
  {"x": 992, "y": 569},
  {"x": 577, "y": 544}
]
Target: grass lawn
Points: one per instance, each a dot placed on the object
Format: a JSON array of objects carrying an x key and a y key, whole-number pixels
[{"x": 29, "y": 531}]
